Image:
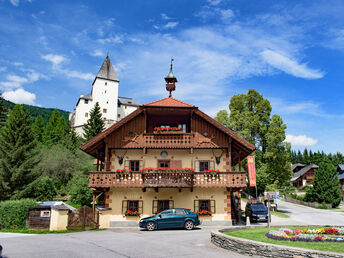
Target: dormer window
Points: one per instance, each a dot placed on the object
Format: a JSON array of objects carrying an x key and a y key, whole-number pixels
[{"x": 86, "y": 101}]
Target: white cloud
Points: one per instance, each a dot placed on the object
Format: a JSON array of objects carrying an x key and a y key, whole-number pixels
[
  {"x": 111, "y": 40},
  {"x": 16, "y": 81},
  {"x": 54, "y": 59},
  {"x": 165, "y": 17},
  {"x": 214, "y": 2},
  {"x": 3, "y": 69},
  {"x": 20, "y": 96},
  {"x": 78, "y": 75},
  {"x": 97, "y": 52},
  {"x": 290, "y": 66},
  {"x": 14, "y": 2},
  {"x": 300, "y": 140},
  {"x": 18, "y": 64},
  {"x": 226, "y": 14},
  {"x": 57, "y": 61},
  {"x": 170, "y": 25}
]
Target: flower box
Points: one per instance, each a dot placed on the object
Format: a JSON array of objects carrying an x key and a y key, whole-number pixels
[
  {"x": 168, "y": 130},
  {"x": 211, "y": 171},
  {"x": 131, "y": 213},
  {"x": 204, "y": 213},
  {"x": 124, "y": 170},
  {"x": 172, "y": 170}
]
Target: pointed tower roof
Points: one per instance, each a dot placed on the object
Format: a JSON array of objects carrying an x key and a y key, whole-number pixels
[{"x": 107, "y": 71}]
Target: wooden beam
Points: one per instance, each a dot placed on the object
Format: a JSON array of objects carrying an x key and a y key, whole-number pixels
[{"x": 230, "y": 154}]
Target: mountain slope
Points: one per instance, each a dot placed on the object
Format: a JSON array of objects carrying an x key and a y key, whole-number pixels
[{"x": 36, "y": 111}]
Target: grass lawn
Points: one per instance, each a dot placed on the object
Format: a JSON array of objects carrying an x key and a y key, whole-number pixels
[
  {"x": 29, "y": 231},
  {"x": 258, "y": 234},
  {"x": 280, "y": 214}
]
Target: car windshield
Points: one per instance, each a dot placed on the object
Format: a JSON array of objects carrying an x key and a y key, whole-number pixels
[{"x": 258, "y": 206}]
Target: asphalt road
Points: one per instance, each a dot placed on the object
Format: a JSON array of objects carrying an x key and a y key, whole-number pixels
[
  {"x": 300, "y": 214},
  {"x": 115, "y": 243}
]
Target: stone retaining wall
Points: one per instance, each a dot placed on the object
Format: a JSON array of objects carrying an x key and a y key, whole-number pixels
[{"x": 260, "y": 249}]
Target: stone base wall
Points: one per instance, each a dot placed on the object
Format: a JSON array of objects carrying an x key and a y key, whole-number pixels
[{"x": 260, "y": 249}]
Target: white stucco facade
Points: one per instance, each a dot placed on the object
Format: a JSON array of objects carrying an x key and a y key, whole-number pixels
[{"x": 105, "y": 92}]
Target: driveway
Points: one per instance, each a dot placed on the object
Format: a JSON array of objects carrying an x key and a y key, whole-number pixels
[
  {"x": 116, "y": 243},
  {"x": 300, "y": 214}
]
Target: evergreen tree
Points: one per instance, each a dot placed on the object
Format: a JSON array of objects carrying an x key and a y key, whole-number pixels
[
  {"x": 17, "y": 153},
  {"x": 95, "y": 124},
  {"x": 38, "y": 129},
  {"x": 55, "y": 129},
  {"x": 3, "y": 112},
  {"x": 71, "y": 140},
  {"x": 326, "y": 186}
]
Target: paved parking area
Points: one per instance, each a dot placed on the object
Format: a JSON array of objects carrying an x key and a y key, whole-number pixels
[{"x": 124, "y": 242}]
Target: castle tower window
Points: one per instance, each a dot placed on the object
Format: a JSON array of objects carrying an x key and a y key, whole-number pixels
[
  {"x": 119, "y": 116},
  {"x": 105, "y": 83},
  {"x": 86, "y": 101},
  {"x": 104, "y": 110},
  {"x": 86, "y": 114}
]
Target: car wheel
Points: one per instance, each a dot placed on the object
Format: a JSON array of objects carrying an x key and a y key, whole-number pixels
[
  {"x": 150, "y": 226},
  {"x": 189, "y": 225}
]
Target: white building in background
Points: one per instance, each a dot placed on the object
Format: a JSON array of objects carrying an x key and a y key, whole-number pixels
[{"x": 105, "y": 92}]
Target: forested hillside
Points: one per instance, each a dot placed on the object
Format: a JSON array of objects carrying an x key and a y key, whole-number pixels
[{"x": 34, "y": 111}]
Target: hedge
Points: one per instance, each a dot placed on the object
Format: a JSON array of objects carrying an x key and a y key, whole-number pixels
[{"x": 13, "y": 214}]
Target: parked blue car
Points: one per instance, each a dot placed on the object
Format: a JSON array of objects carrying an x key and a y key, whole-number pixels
[{"x": 171, "y": 218}]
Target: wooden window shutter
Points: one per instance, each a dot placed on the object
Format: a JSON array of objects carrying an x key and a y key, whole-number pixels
[
  {"x": 140, "y": 206},
  {"x": 212, "y": 206},
  {"x": 155, "y": 206},
  {"x": 124, "y": 206},
  {"x": 176, "y": 164},
  {"x": 171, "y": 204},
  {"x": 141, "y": 164},
  {"x": 196, "y": 205},
  {"x": 127, "y": 164},
  {"x": 211, "y": 164},
  {"x": 197, "y": 165}
]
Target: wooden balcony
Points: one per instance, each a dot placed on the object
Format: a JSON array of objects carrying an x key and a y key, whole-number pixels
[
  {"x": 167, "y": 179},
  {"x": 168, "y": 140}
]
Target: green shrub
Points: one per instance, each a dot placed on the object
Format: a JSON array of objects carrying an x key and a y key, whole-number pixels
[
  {"x": 79, "y": 191},
  {"x": 42, "y": 189},
  {"x": 13, "y": 214},
  {"x": 322, "y": 206}
]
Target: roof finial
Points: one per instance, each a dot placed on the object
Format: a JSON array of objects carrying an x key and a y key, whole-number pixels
[{"x": 170, "y": 80}]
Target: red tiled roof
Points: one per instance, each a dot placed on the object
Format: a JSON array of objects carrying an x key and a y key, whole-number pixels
[{"x": 168, "y": 102}]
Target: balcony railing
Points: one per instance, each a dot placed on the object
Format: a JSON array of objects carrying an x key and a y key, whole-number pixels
[
  {"x": 167, "y": 179},
  {"x": 178, "y": 140}
]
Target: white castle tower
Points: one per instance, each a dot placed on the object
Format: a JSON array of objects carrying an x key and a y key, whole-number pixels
[{"x": 105, "y": 92}]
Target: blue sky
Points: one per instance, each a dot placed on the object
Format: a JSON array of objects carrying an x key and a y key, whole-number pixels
[{"x": 292, "y": 52}]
